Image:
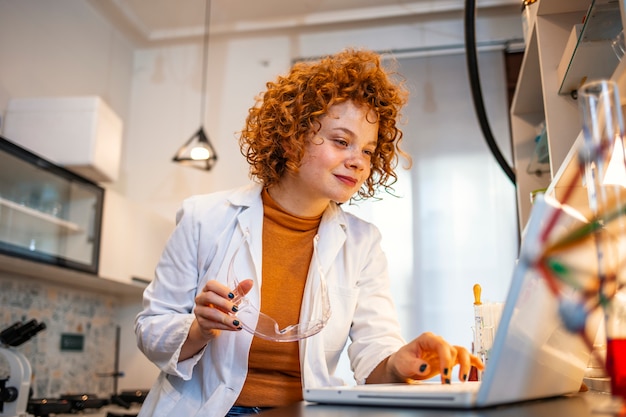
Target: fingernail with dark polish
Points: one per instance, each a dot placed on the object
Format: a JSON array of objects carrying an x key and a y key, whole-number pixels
[
  {"x": 235, "y": 309},
  {"x": 231, "y": 295},
  {"x": 239, "y": 328},
  {"x": 448, "y": 381},
  {"x": 445, "y": 371},
  {"x": 235, "y": 322},
  {"x": 423, "y": 367},
  {"x": 464, "y": 377}
]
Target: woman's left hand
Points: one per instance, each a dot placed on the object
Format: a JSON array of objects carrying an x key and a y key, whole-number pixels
[{"x": 429, "y": 355}]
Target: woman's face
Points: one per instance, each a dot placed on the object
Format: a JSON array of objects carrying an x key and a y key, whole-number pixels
[{"x": 337, "y": 158}]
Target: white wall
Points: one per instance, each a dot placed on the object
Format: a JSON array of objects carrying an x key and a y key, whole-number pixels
[
  {"x": 166, "y": 112},
  {"x": 62, "y": 48}
]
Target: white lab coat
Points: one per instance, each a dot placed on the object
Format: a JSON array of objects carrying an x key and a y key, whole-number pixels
[{"x": 209, "y": 229}]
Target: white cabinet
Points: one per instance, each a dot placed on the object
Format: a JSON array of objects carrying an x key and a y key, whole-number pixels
[
  {"x": 83, "y": 134},
  {"x": 540, "y": 98},
  {"x": 47, "y": 214},
  {"x": 133, "y": 238}
]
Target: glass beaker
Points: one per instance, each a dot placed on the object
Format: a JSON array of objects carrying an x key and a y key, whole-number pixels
[
  {"x": 603, "y": 149},
  {"x": 605, "y": 178}
]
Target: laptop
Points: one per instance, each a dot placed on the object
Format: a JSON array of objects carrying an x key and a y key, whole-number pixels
[{"x": 533, "y": 356}]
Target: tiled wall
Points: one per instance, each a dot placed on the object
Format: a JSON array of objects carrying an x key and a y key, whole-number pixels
[{"x": 63, "y": 310}]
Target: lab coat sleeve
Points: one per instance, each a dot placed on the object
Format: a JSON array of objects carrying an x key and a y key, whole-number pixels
[
  {"x": 375, "y": 330},
  {"x": 162, "y": 326}
]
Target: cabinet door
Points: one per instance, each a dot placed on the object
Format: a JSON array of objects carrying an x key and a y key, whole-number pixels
[
  {"x": 47, "y": 214},
  {"x": 133, "y": 238}
]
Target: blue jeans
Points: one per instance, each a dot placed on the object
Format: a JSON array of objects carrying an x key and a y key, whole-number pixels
[{"x": 237, "y": 411}]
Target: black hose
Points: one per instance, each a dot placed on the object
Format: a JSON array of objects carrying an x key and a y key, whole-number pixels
[{"x": 474, "y": 79}]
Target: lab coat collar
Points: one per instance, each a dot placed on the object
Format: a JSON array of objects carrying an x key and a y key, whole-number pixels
[{"x": 331, "y": 231}]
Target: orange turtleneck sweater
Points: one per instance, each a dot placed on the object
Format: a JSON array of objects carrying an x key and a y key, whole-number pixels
[{"x": 274, "y": 367}]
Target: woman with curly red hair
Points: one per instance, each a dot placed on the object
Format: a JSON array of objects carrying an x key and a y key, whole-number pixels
[
  {"x": 259, "y": 289},
  {"x": 274, "y": 138}
]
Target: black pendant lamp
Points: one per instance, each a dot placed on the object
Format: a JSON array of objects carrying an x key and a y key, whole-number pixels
[{"x": 198, "y": 152}]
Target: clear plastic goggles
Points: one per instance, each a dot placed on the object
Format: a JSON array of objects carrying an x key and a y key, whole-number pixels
[{"x": 266, "y": 327}]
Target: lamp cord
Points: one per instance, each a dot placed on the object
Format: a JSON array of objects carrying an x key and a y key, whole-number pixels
[
  {"x": 205, "y": 58},
  {"x": 479, "y": 106}
]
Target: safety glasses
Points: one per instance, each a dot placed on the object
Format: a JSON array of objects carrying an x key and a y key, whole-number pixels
[{"x": 266, "y": 327}]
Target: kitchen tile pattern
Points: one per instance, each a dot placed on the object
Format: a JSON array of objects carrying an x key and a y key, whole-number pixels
[{"x": 63, "y": 310}]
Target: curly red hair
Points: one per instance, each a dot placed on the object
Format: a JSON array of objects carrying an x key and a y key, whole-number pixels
[{"x": 276, "y": 127}]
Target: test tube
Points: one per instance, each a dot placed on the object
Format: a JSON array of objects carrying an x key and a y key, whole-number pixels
[{"x": 479, "y": 326}]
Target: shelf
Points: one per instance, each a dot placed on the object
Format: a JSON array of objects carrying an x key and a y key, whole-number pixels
[
  {"x": 561, "y": 6},
  {"x": 537, "y": 100},
  {"x": 70, "y": 277},
  {"x": 42, "y": 219},
  {"x": 589, "y": 54},
  {"x": 566, "y": 177},
  {"x": 527, "y": 98},
  {"x": 548, "y": 76}
]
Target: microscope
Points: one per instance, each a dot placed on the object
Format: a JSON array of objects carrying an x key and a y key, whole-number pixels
[{"x": 15, "y": 389}]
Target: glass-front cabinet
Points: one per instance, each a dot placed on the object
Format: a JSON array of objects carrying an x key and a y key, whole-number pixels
[{"x": 47, "y": 213}]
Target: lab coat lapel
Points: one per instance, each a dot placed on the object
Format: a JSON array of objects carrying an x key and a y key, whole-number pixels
[
  {"x": 250, "y": 221},
  {"x": 332, "y": 237}
]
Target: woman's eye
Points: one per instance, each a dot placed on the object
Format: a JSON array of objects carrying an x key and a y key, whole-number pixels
[{"x": 341, "y": 142}]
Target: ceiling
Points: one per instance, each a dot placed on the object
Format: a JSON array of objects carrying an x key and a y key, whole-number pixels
[{"x": 157, "y": 21}]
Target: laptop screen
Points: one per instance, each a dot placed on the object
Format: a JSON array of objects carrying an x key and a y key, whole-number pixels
[{"x": 533, "y": 355}]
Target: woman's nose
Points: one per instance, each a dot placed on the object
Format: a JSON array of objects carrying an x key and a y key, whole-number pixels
[{"x": 356, "y": 160}]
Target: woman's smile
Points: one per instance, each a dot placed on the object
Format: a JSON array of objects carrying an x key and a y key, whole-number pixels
[{"x": 347, "y": 180}]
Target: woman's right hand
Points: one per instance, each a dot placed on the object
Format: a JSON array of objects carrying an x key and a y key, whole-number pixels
[
  {"x": 215, "y": 311},
  {"x": 215, "y": 307}
]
